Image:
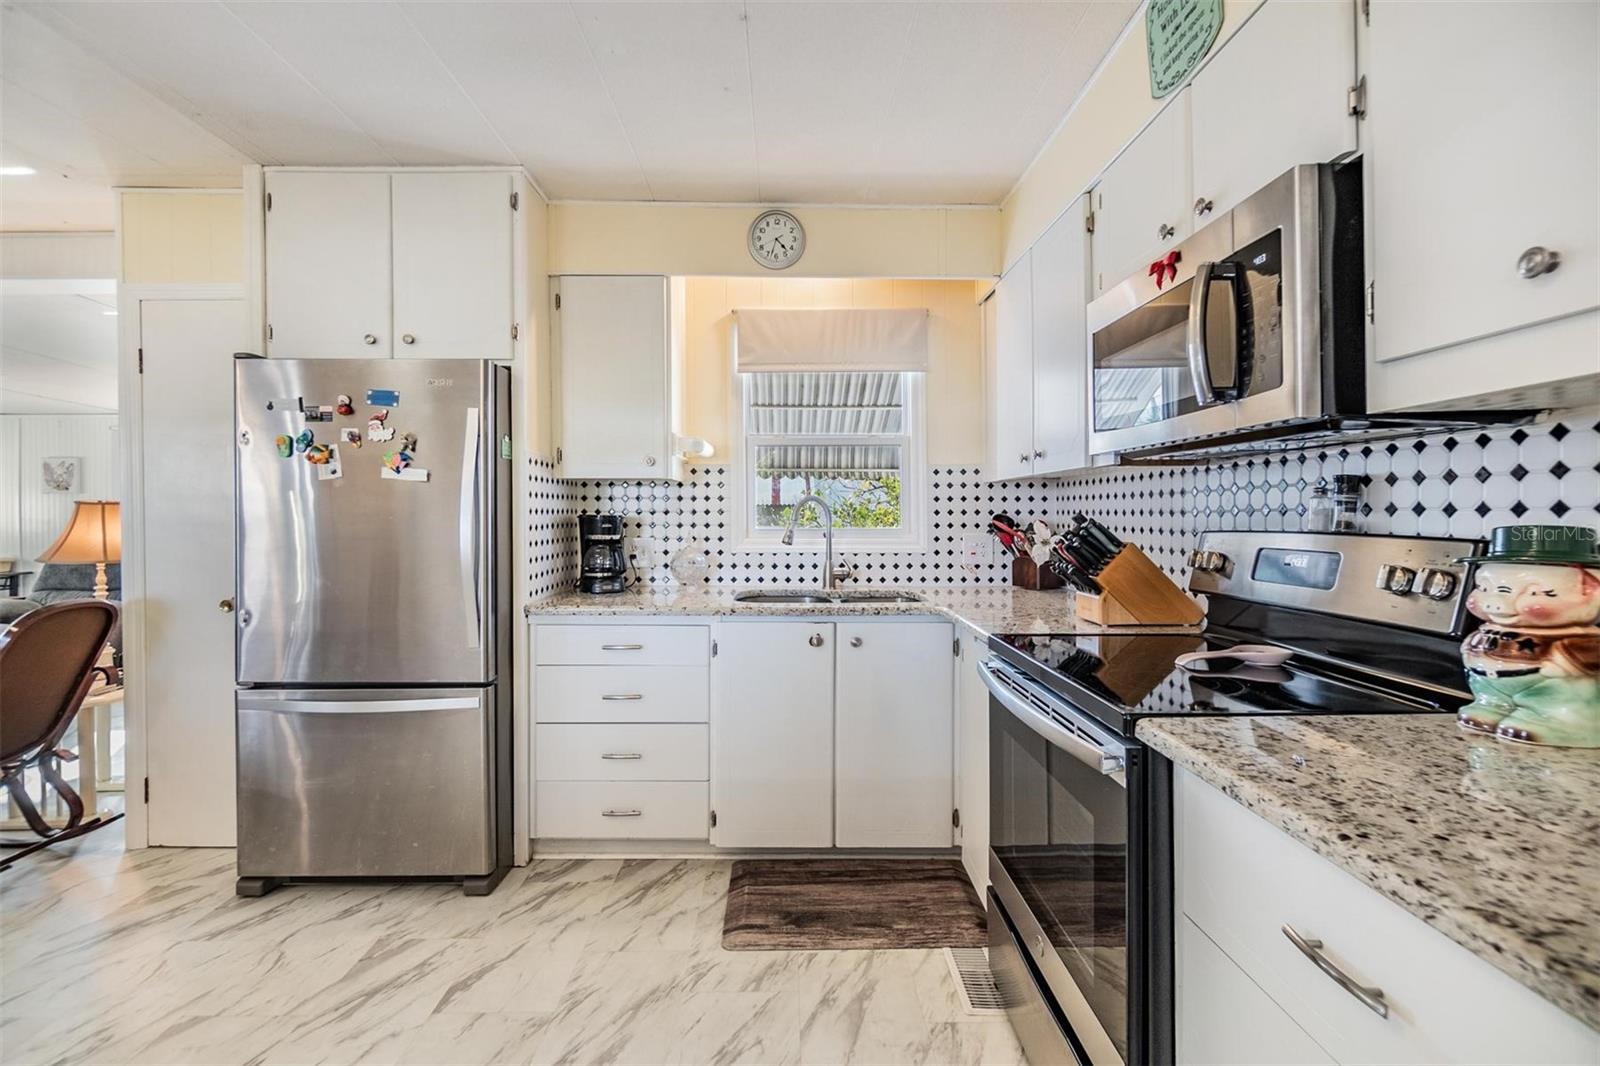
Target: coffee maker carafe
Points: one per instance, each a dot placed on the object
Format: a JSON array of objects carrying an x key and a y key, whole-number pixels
[{"x": 602, "y": 564}]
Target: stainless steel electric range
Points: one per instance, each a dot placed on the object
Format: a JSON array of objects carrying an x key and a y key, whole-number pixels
[{"x": 1080, "y": 861}]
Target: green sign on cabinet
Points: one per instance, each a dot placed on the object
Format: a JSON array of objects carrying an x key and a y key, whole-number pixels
[{"x": 1179, "y": 34}]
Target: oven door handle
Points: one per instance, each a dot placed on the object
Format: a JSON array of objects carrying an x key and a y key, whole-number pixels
[
  {"x": 1205, "y": 390},
  {"x": 1112, "y": 763}
]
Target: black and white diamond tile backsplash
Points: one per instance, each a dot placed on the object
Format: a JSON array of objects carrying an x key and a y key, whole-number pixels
[{"x": 1457, "y": 485}]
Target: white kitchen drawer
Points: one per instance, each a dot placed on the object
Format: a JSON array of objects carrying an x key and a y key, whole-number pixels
[
  {"x": 1241, "y": 880},
  {"x": 622, "y": 645},
  {"x": 621, "y": 694},
  {"x": 629, "y": 752},
  {"x": 1224, "y": 1017},
  {"x": 627, "y": 810}
]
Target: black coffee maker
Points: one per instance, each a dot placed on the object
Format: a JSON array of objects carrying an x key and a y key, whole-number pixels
[{"x": 603, "y": 565}]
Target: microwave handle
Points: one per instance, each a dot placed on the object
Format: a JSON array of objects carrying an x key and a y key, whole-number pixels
[{"x": 1205, "y": 392}]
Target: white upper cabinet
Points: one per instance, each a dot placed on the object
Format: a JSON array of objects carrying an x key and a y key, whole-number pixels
[
  {"x": 894, "y": 759},
  {"x": 1483, "y": 129},
  {"x": 327, "y": 264},
  {"x": 620, "y": 345},
  {"x": 1275, "y": 97},
  {"x": 1012, "y": 407},
  {"x": 772, "y": 735},
  {"x": 453, "y": 265},
  {"x": 1141, "y": 205},
  {"x": 1060, "y": 345}
]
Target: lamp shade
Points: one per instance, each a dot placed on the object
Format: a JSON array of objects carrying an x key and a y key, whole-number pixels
[{"x": 93, "y": 535}]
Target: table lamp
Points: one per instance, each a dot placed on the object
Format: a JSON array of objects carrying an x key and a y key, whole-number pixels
[{"x": 93, "y": 535}]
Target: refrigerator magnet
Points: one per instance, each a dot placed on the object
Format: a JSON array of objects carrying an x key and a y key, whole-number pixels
[
  {"x": 376, "y": 430},
  {"x": 350, "y": 435},
  {"x": 304, "y": 440},
  {"x": 318, "y": 454},
  {"x": 285, "y": 445},
  {"x": 408, "y": 442},
  {"x": 330, "y": 468},
  {"x": 383, "y": 398},
  {"x": 410, "y": 473},
  {"x": 397, "y": 461},
  {"x": 343, "y": 405}
]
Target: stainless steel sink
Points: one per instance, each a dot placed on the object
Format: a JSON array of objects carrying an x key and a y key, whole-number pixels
[
  {"x": 878, "y": 597},
  {"x": 762, "y": 596}
]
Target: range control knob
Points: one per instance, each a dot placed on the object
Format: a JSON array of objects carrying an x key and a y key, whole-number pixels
[
  {"x": 1207, "y": 562},
  {"x": 1437, "y": 584},
  {"x": 1396, "y": 579}
]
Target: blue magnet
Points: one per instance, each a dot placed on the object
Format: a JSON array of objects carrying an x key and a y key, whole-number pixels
[
  {"x": 382, "y": 398},
  {"x": 304, "y": 440}
]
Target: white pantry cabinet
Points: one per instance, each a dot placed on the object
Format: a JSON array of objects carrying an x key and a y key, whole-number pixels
[
  {"x": 1011, "y": 407},
  {"x": 1141, "y": 203},
  {"x": 894, "y": 734},
  {"x": 1243, "y": 884},
  {"x": 365, "y": 264},
  {"x": 772, "y": 735},
  {"x": 1483, "y": 130},
  {"x": 1275, "y": 97},
  {"x": 328, "y": 263},
  {"x": 619, "y": 344}
]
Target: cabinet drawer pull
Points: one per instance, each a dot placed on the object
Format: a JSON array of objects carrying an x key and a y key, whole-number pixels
[
  {"x": 621, "y": 755},
  {"x": 623, "y": 696},
  {"x": 614, "y": 813},
  {"x": 622, "y": 647},
  {"x": 1371, "y": 998}
]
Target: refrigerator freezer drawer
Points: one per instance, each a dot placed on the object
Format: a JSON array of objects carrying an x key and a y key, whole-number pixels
[{"x": 371, "y": 783}]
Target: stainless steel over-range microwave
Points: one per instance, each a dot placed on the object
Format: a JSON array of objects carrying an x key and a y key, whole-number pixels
[{"x": 1250, "y": 328}]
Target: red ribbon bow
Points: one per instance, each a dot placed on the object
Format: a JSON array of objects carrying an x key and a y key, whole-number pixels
[{"x": 1165, "y": 270}]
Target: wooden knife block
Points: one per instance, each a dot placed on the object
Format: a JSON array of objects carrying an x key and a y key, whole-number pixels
[{"x": 1137, "y": 592}]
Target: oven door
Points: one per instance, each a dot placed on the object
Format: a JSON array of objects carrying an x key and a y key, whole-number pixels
[{"x": 1060, "y": 859}]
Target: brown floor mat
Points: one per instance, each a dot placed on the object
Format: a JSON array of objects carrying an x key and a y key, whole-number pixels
[{"x": 835, "y": 904}]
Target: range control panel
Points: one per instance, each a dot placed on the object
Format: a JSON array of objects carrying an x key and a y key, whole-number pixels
[{"x": 1415, "y": 582}]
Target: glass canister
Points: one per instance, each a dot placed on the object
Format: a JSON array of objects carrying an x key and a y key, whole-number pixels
[
  {"x": 1319, "y": 510},
  {"x": 1347, "y": 503}
]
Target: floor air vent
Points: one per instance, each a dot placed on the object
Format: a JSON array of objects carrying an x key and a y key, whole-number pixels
[{"x": 970, "y": 966}]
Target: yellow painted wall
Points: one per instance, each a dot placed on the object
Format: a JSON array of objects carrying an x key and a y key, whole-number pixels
[
  {"x": 841, "y": 242},
  {"x": 1110, "y": 113},
  {"x": 955, "y": 426},
  {"x": 188, "y": 236}
]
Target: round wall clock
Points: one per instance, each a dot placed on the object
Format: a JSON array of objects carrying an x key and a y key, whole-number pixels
[{"x": 777, "y": 240}]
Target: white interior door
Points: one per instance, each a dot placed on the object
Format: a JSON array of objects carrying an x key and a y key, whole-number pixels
[
  {"x": 452, "y": 265},
  {"x": 186, "y": 400}
]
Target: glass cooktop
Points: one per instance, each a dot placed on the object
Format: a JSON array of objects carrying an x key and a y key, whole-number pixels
[{"x": 1133, "y": 676}]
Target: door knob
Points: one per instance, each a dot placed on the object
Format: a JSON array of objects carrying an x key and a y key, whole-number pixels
[
  {"x": 855, "y": 642},
  {"x": 816, "y": 640},
  {"x": 1202, "y": 207},
  {"x": 1536, "y": 261},
  {"x": 226, "y": 606},
  {"x": 408, "y": 338},
  {"x": 1165, "y": 232},
  {"x": 369, "y": 339}
]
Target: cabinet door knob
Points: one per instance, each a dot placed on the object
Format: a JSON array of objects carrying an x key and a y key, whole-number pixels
[
  {"x": 649, "y": 460},
  {"x": 408, "y": 338},
  {"x": 1536, "y": 261},
  {"x": 816, "y": 640},
  {"x": 1202, "y": 207},
  {"x": 855, "y": 642},
  {"x": 1039, "y": 454},
  {"x": 226, "y": 606},
  {"x": 1165, "y": 231},
  {"x": 1022, "y": 458},
  {"x": 370, "y": 338}
]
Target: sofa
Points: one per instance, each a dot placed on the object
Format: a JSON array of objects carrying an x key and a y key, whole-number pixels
[{"x": 60, "y": 582}]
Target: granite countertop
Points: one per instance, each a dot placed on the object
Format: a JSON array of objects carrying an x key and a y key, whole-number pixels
[
  {"x": 1496, "y": 845},
  {"x": 983, "y": 609}
]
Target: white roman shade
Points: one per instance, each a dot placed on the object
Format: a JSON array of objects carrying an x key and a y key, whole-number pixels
[{"x": 809, "y": 340}]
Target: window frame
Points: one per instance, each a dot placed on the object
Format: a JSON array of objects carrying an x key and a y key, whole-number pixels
[{"x": 912, "y": 536}]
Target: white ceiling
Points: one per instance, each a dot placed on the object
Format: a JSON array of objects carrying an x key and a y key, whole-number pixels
[
  {"x": 58, "y": 352},
  {"x": 907, "y": 101}
]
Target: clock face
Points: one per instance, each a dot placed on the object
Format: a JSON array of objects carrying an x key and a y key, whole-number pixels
[{"x": 776, "y": 240}]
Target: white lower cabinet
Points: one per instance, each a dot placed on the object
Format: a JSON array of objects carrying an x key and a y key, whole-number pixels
[
  {"x": 1242, "y": 885},
  {"x": 972, "y": 768},
  {"x": 772, "y": 735},
  {"x": 893, "y": 764}
]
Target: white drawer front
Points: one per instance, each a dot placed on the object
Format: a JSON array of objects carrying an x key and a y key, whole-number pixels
[
  {"x": 1241, "y": 880},
  {"x": 621, "y": 694},
  {"x": 620, "y": 753},
  {"x": 624, "y": 810},
  {"x": 622, "y": 645}
]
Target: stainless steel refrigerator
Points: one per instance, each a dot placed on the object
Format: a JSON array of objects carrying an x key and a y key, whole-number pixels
[{"x": 373, "y": 619}]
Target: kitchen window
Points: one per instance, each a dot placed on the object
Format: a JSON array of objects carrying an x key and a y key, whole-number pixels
[{"x": 854, "y": 438}]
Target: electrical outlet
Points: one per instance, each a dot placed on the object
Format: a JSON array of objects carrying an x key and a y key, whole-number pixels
[{"x": 977, "y": 550}]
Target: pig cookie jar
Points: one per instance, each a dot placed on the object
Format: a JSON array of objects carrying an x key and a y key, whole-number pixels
[{"x": 1534, "y": 665}]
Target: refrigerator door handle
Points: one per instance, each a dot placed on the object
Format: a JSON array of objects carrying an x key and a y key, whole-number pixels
[
  {"x": 290, "y": 706},
  {"x": 468, "y": 528}
]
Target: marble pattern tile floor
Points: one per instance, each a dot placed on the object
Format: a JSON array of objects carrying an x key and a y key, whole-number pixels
[{"x": 109, "y": 956}]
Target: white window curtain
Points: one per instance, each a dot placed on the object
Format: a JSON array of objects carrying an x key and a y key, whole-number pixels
[{"x": 893, "y": 341}]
